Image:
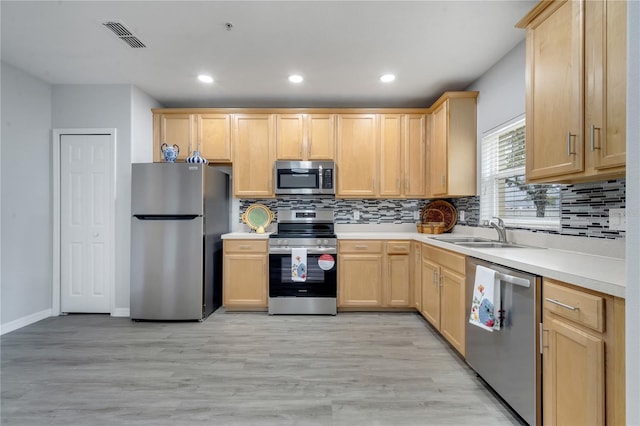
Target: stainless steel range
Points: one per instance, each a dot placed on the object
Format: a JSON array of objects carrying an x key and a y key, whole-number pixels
[{"x": 307, "y": 238}]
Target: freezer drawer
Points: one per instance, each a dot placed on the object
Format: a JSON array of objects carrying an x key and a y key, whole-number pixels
[{"x": 167, "y": 269}]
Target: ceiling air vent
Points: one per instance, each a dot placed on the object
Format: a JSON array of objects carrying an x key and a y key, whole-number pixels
[{"x": 124, "y": 34}]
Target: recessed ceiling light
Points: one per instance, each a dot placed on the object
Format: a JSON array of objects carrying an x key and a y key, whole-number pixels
[
  {"x": 387, "y": 78},
  {"x": 205, "y": 78},
  {"x": 295, "y": 78}
]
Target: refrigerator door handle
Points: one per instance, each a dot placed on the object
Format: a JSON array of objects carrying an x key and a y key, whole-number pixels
[{"x": 165, "y": 216}]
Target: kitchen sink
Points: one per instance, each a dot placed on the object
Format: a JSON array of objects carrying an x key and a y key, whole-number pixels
[
  {"x": 457, "y": 240},
  {"x": 490, "y": 244}
]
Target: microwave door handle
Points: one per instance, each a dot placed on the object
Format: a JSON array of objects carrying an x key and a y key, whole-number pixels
[{"x": 320, "y": 186}]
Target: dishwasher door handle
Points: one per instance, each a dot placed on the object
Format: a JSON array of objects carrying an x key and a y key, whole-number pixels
[{"x": 513, "y": 280}]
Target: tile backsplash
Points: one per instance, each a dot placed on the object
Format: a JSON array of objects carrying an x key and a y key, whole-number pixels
[
  {"x": 585, "y": 208},
  {"x": 371, "y": 211}
]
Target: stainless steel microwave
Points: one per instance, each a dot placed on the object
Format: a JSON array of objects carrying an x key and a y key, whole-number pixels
[{"x": 304, "y": 177}]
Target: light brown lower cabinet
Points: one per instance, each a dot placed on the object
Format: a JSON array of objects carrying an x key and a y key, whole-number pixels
[
  {"x": 398, "y": 283},
  {"x": 583, "y": 356},
  {"x": 443, "y": 284},
  {"x": 360, "y": 273},
  {"x": 374, "y": 274},
  {"x": 246, "y": 274}
]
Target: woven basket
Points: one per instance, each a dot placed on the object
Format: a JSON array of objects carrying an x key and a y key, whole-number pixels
[{"x": 428, "y": 226}]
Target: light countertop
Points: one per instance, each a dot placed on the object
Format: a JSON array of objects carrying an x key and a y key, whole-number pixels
[
  {"x": 245, "y": 236},
  {"x": 592, "y": 271}
]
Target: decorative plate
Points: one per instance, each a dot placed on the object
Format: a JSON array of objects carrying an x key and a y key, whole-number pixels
[
  {"x": 448, "y": 210},
  {"x": 257, "y": 216}
]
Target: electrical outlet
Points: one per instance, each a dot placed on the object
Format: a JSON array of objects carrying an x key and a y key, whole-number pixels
[
  {"x": 356, "y": 215},
  {"x": 617, "y": 219},
  {"x": 416, "y": 215},
  {"x": 461, "y": 215}
]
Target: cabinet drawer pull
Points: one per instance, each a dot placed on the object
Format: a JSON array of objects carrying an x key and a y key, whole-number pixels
[
  {"x": 555, "y": 302},
  {"x": 245, "y": 247},
  {"x": 361, "y": 247}
]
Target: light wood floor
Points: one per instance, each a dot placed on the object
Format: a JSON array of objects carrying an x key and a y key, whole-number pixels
[{"x": 240, "y": 369}]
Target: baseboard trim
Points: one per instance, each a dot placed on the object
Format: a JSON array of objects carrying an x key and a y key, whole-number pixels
[
  {"x": 24, "y": 321},
  {"x": 120, "y": 312}
]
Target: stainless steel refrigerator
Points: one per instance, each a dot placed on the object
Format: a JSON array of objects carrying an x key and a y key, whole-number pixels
[{"x": 179, "y": 213}]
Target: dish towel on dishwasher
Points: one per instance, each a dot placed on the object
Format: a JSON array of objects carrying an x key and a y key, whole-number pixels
[
  {"x": 299, "y": 264},
  {"x": 486, "y": 303}
]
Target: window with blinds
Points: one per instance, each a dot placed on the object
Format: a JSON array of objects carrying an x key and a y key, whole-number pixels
[{"x": 504, "y": 193}]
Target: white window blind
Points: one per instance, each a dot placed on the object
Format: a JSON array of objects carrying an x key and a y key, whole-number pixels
[{"x": 504, "y": 193}]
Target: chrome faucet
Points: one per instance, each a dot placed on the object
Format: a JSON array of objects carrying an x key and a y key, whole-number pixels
[{"x": 498, "y": 225}]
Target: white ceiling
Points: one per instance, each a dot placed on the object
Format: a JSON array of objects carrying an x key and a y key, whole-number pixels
[{"x": 340, "y": 47}]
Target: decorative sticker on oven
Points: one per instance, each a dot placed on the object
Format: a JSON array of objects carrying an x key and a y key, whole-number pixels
[{"x": 326, "y": 262}]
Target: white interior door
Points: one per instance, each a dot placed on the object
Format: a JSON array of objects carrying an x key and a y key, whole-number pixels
[{"x": 86, "y": 264}]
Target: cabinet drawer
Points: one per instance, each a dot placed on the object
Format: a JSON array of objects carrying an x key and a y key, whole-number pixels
[
  {"x": 364, "y": 246},
  {"x": 445, "y": 258},
  {"x": 245, "y": 246},
  {"x": 398, "y": 247},
  {"x": 583, "y": 308}
]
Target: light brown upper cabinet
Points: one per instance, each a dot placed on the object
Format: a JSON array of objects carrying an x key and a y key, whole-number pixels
[
  {"x": 402, "y": 155},
  {"x": 305, "y": 137},
  {"x": 357, "y": 158},
  {"x": 214, "y": 137},
  {"x": 606, "y": 87},
  {"x": 451, "y": 145},
  {"x": 253, "y": 155},
  {"x": 208, "y": 133},
  {"x": 576, "y": 90}
]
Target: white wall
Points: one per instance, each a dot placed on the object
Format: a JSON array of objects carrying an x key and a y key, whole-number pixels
[
  {"x": 105, "y": 106},
  {"x": 502, "y": 93},
  {"x": 26, "y": 197},
  {"x": 142, "y": 126},
  {"x": 633, "y": 214}
]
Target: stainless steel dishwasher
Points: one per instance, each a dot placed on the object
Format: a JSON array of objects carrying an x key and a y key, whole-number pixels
[{"x": 509, "y": 359}]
